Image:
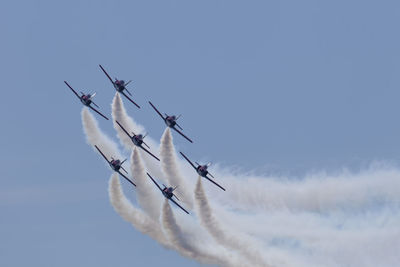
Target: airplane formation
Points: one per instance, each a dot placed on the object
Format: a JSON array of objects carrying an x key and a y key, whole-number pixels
[{"x": 137, "y": 139}]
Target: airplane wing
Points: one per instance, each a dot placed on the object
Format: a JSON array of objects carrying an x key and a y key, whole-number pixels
[
  {"x": 98, "y": 112},
  {"x": 72, "y": 90},
  {"x": 157, "y": 110},
  {"x": 154, "y": 181},
  {"x": 215, "y": 183},
  {"x": 179, "y": 132},
  {"x": 105, "y": 72},
  {"x": 124, "y": 170},
  {"x": 149, "y": 153},
  {"x": 176, "y": 203},
  {"x": 188, "y": 160},
  {"x": 130, "y": 99},
  {"x": 126, "y": 178},
  {"x": 98, "y": 149},
  {"x": 123, "y": 128}
]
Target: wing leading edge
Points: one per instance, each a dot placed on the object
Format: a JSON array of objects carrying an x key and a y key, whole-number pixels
[
  {"x": 179, "y": 132},
  {"x": 176, "y": 203},
  {"x": 98, "y": 112}
]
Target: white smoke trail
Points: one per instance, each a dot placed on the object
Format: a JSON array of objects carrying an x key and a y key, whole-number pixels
[
  {"x": 220, "y": 234},
  {"x": 315, "y": 193},
  {"x": 147, "y": 194},
  {"x": 119, "y": 114},
  {"x": 321, "y": 220},
  {"x": 95, "y": 136},
  {"x": 189, "y": 249},
  {"x": 170, "y": 168},
  {"x": 129, "y": 213}
]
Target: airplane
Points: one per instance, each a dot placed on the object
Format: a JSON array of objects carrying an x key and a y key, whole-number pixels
[
  {"x": 170, "y": 121},
  {"x": 202, "y": 170},
  {"x": 168, "y": 192},
  {"x": 86, "y": 100},
  {"x": 138, "y": 140},
  {"x": 116, "y": 165},
  {"x": 120, "y": 86}
]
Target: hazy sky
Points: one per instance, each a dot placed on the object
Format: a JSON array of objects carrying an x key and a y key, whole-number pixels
[{"x": 275, "y": 86}]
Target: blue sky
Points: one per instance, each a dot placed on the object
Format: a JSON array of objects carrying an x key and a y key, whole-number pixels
[{"x": 276, "y": 86}]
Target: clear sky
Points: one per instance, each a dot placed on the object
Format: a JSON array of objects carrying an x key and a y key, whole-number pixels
[{"x": 272, "y": 86}]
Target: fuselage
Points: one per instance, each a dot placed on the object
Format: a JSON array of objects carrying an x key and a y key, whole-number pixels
[
  {"x": 85, "y": 99},
  {"x": 168, "y": 192},
  {"x": 119, "y": 85},
  {"x": 202, "y": 170},
  {"x": 115, "y": 164},
  {"x": 137, "y": 140},
  {"x": 170, "y": 121}
]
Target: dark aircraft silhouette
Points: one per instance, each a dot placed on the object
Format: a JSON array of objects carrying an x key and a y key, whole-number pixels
[
  {"x": 116, "y": 165},
  {"x": 120, "y": 86},
  {"x": 138, "y": 140},
  {"x": 168, "y": 192},
  {"x": 170, "y": 121},
  {"x": 202, "y": 170},
  {"x": 86, "y": 100}
]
